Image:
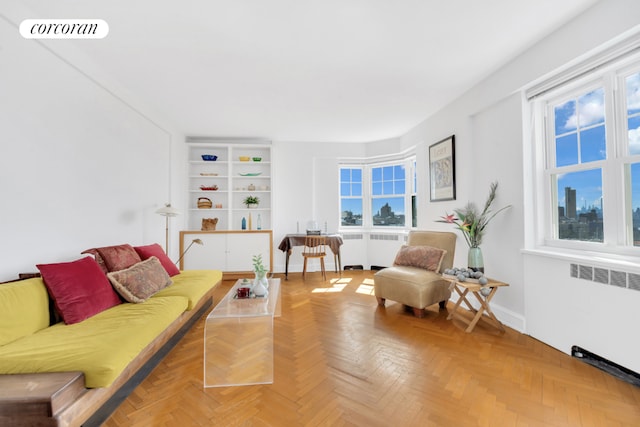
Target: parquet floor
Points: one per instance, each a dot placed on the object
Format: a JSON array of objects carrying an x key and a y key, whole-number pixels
[{"x": 342, "y": 361}]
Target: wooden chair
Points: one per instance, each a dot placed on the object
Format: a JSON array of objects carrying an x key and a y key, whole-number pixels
[{"x": 314, "y": 247}]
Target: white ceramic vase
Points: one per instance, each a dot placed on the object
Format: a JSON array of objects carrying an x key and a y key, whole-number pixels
[{"x": 260, "y": 285}]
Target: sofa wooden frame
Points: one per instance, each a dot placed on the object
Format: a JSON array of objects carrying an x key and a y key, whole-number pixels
[{"x": 94, "y": 406}]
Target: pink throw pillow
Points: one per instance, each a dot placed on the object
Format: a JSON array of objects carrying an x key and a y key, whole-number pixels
[
  {"x": 426, "y": 257},
  {"x": 156, "y": 250},
  {"x": 137, "y": 283},
  {"x": 79, "y": 289},
  {"x": 119, "y": 257}
]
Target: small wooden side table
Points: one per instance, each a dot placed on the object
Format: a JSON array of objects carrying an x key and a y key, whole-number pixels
[{"x": 463, "y": 289}]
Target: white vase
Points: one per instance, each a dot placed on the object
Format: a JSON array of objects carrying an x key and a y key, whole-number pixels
[{"x": 260, "y": 285}]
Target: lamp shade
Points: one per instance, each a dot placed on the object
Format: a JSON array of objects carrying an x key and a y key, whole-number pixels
[{"x": 168, "y": 210}]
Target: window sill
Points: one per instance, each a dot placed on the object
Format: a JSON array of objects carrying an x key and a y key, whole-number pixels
[{"x": 621, "y": 261}]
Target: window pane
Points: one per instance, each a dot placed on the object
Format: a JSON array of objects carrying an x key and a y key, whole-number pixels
[
  {"x": 634, "y": 135},
  {"x": 351, "y": 196},
  {"x": 376, "y": 189},
  {"x": 591, "y": 108},
  {"x": 376, "y": 174},
  {"x": 635, "y": 202},
  {"x": 398, "y": 187},
  {"x": 565, "y": 117},
  {"x": 387, "y": 187},
  {"x": 579, "y": 205},
  {"x": 414, "y": 211},
  {"x": 567, "y": 150},
  {"x": 388, "y": 211},
  {"x": 593, "y": 144},
  {"x": 633, "y": 94},
  {"x": 387, "y": 173},
  {"x": 351, "y": 212}
]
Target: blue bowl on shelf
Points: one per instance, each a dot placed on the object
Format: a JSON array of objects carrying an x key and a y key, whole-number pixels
[{"x": 209, "y": 157}]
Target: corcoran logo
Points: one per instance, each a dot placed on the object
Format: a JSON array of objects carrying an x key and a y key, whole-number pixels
[{"x": 64, "y": 29}]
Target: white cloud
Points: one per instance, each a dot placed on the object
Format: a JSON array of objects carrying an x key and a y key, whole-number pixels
[
  {"x": 634, "y": 140},
  {"x": 590, "y": 110},
  {"x": 633, "y": 91}
]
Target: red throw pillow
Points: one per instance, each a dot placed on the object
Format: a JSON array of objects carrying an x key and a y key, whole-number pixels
[
  {"x": 156, "y": 250},
  {"x": 98, "y": 258},
  {"x": 79, "y": 289},
  {"x": 119, "y": 257}
]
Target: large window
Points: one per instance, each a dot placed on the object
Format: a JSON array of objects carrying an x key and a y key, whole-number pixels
[
  {"x": 588, "y": 131},
  {"x": 378, "y": 195},
  {"x": 388, "y": 190},
  {"x": 580, "y": 149},
  {"x": 351, "y": 196}
]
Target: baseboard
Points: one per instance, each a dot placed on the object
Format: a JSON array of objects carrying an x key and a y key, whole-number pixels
[
  {"x": 606, "y": 365},
  {"x": 507, "y": 317}
]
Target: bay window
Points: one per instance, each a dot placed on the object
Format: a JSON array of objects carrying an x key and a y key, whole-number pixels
[{"x": 378, "y": 194}]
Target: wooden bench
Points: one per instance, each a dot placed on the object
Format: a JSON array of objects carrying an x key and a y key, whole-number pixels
[
  {"x": 37, "y": 399},
  {"x": 93, "y": 406}
]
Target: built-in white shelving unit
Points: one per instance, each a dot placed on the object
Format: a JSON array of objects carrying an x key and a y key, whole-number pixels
[{"x": 242, "y": 168}]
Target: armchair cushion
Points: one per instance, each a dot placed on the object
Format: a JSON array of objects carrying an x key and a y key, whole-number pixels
[{"x": 426, "y": 257}]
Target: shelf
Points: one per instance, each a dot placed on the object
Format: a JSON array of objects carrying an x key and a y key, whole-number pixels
[{"x": 232, "y": 186}]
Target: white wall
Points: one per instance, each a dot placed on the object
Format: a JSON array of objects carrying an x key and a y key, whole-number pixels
[
  {"x": 488, "y": 124},
  {"x": 80, "y": 167},
  {"x": 305, "y": 185},
  {"x": 487, "y": 121}
]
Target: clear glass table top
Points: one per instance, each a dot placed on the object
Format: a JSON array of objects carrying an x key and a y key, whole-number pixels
[{"x": 231, "y": 306}]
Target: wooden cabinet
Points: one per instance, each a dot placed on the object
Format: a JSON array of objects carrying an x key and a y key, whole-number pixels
[
  {"x": 242, "y": 167},
  {"x": 229, "y": 251}
]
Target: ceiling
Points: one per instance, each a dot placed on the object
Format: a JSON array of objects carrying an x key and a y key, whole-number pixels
[{"x": 302, "y": 70}]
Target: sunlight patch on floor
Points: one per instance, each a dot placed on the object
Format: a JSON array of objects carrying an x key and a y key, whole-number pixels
[
  {"x": 336, "y": 287},
  {"x": 339, "y": 284},
  {"x": 365, "y": 289}
]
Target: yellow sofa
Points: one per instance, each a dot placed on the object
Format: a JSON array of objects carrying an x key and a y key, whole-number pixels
[{"x": 109, "y": 348}]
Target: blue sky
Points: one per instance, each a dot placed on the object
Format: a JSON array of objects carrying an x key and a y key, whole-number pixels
[{"x": 580, "y": 138}]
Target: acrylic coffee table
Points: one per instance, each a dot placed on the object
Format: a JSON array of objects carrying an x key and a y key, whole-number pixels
[{"x": 238, "y": 339}]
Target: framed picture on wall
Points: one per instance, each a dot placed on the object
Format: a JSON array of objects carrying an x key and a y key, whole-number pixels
[{"x": 442, "y": 174}]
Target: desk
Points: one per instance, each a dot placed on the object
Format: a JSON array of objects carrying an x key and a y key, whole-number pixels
[
  {"x": 463, "y": 288},
  {"x": 334, "y": 241}
]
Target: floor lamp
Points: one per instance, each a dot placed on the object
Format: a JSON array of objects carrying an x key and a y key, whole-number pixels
[
  {"x": 167, "y": 212},
  {"x": 198, "y": 241}
]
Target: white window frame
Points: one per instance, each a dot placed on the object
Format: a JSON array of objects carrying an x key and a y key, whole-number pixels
[
  {"x": 362, "y": 197},
  {"x": 608, "y": 69},
  {"x": 367, "y": 164}
]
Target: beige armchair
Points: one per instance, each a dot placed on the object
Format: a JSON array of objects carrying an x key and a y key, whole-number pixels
[{"x": 413, "y": 286}]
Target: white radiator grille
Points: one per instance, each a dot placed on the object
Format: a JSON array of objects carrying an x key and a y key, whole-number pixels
[
  {"x": 352, "y": 236},
  {"x": 383, "y": 237},
  {"x": 605, "y": 276}
]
